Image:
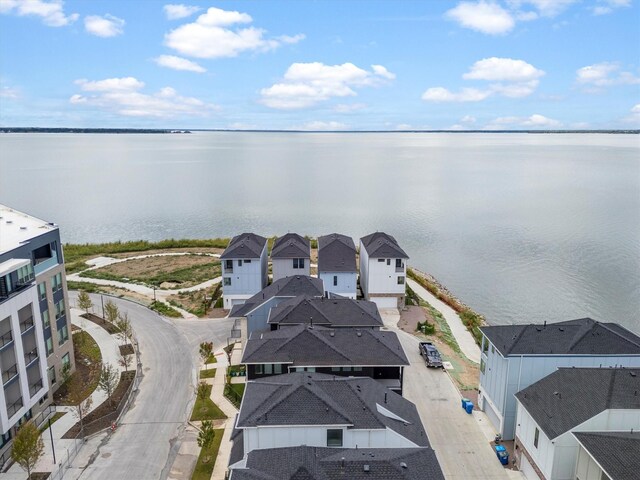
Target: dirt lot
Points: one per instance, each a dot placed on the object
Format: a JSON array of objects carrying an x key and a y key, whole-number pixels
[
  {"x": 465, "y": 373},
  {"x": 168, "y": 250}
]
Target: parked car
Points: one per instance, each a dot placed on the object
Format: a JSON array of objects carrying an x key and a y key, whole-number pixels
[{"x": 431, "y": 355}]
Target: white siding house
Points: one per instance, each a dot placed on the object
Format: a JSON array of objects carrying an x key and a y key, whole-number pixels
[
  {"x": 608, "y": 455},
  {"x": 290, "y": 255},
  {"x": 337, "y": 264},
  {"x": 244, "y": 268},
  {"x": 383, "y": 270},
  {"x": 515, "y": 356}
]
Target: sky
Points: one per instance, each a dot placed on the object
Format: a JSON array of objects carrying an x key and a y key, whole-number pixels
[{"x": 321, "y": 65}]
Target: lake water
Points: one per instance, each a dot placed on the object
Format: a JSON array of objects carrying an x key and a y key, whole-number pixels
[{"x": 522, "y": 227}]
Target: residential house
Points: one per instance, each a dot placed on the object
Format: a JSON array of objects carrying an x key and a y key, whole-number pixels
[
  {"x": 35, "y": 330},
  {"x": 320, "y": 410},
  {"x": 290, "y": 255},
  {"x": 551, "y": 411},
  {"x": 254, "y": 313},
  {"x": 328, "y": 312},
  {"x": 323, "y": 463},
  {"x": 337, "y": 264},
  {"x": 337, "y": 351},
  {"x": 383, "y": 270},
  {"x": 244, "y": 268},
  {"x": 608, "y": 455},
  {"x": 515, "y": 356}
]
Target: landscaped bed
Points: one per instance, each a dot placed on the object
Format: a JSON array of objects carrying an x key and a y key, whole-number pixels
[
  {"x": 198, "y": 302},
  {"x": 88, "y": 361},
  {"x": 103, "y": 416},
  {"x": 126, "y": 349},
  {"x": 210, "y": 373},
  {"x": 108, "y": 326},
  {"x": 204, "y": 470},
  {"x": 234, "y": 393},
  {"x": 206, "y": 409}
]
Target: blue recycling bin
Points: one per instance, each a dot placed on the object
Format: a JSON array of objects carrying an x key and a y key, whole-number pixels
[
  {"x": 469, "y": 407},
  {"x": 502, "y": 454},
  {"x": 464, "y": 403}
]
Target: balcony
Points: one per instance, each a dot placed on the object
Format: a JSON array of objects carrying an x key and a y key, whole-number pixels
[
  {"x": 6, "y": 339},
  {"x": 29, "y": 357},
  {"x": 26, "y": 324},
  {"x": 45, "y": 264},
  {"x": 14, "y": 407},
  {"x": 35, "y": 387},
  {"x": 9, "y": 374}
]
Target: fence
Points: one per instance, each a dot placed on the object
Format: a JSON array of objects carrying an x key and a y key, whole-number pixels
[{"x": 66, "y": 458}]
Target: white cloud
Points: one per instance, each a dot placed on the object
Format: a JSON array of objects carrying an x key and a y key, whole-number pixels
[
  {"x": 633, "y": 119},
  {"x": 9, "y": 93},
  {"x": 603, "y": 75},
  {"x": 502, "y": 69},
  {"x": 485, "y": 17},
  {"x": 178, "y": 63},
  {"x": 123, "y": 96},
  {"x": 441, "y": 94},
  {"x": 349, "y": 107},
  {"x": 174, "y": 12},
  {"x": 51, "y": 12},
  {"x": 515, "y": 79},
  {"x": 535, "y": 121},
  {"x": 545, "y": 8},
  {"x": 212, "y": 36},
  {"x": 322, "y": 126},
  {"x": 608, "y": 6},
  {"x": 106, "y": 26},
  {"x": 468, "y": 119},
  {"x": 307, "y": 84}
]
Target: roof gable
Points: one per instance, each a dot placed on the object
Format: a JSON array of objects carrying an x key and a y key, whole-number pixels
[
  {"x": 336, "y": 253},
  {"x": 336, "y": 312},
  {"x": 245, "y": 245},
  {"x": 291, "y": 245},
  {"x": 382, "y": 245},
  {"x": 618, "y": 453}
]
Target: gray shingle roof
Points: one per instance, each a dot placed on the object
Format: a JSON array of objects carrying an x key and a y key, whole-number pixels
[
  {"x": 291, "y": 245},
  {"x": 305, "y": 398},
  {"x": 320, "y": 346},
  {"x": 322, "y": 463},
  {"x": 245, "y": 245},
  {"x": 284, "y": 287},
  {"x": 583, "y": 336},
  {"x": 336, "y": 253},
  {"x": 382, "y": 245},
  {"x": 618, "y": 453},
  {"x": 337, "y": 312},
  {"x": 570, "y": 396}
]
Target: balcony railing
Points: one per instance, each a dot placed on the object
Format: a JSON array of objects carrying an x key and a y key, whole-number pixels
[
  {"x": 9, "y": 374},
  {"x": 45, "y": 264},
  {"x": 6, "y": 339},
  {"x": 26, "y": 324},
  {"x": 35, "y": 387},
  {"x": 30, "y": 356},
  {"x": 14, "y": 407}
]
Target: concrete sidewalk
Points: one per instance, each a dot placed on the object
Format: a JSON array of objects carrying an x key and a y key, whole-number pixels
[{"x": 464, "y": 338}]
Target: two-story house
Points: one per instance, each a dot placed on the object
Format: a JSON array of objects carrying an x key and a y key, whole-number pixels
[
  {"x": 323, "y": 463},
  {"x": 320, "y": 410},
  {"x": 336, "y": 351},
  {"x": 552, "y": 412},
  {"x": 35, "y": 330},
  {"x": 327, "y": 312},
  {"x": 337, "y": 264},
  {"x": 290, "y": 255},
  {"x": 515, "y": 356},
  {"x": 608, "y": 455},
  {"x": 244, "y": 268},
  {"x": 383, "y": 270}
]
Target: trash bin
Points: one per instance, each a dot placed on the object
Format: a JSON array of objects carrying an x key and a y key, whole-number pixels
[
  {"x": 502, "y": 454},
  {"x": 464, "y": 403},
  {"x": 469, "y": 407}
]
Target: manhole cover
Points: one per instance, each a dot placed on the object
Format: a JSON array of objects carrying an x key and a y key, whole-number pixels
[{"x": 105, "y": 455}]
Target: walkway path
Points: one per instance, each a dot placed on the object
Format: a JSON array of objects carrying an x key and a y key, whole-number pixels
[{"x": 465, "y": 340}]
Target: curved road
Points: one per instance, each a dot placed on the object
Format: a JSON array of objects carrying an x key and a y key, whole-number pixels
[{"x": 146, "y": 442}]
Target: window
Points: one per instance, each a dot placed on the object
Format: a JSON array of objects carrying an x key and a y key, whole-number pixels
[
  {"x": 357, "y": 369},
  {"x": 56, "y": 282},
  {"x": 388, "y": 261},
  {"x": 335, "y": 280},
  {"x": 277, "y": 369},
  {"x": 227, "y": 281},
  {"x": 381, "y": 260},
  {"x": 485, "y": 345},
  {"x": 493, "y": 349},
  {"x": 66, "y": 360},
  {"x": 52, "y": 375},
  {"x": 49, "y": 344},
  {"x": 44, "y": 398},
  {"x": 268, "y": 369},
  {"x": 258, "y": 369},
  {"x": 401, "y": 280},
  {"x": 228, "y": 264},
  {"x": 535, "y": 437},
  {"x": 25, "y": 274},
  {"x": 42, "y": 291},
  {"x": 247, "y": 261},
  {"x": 482, "y": 365},
  {"x": 45, "y": 319},
  {"x": 63, "y": 336},
  {"x": 60, "y": 309},
  {"x": 335, "y": 369},
  {"x": 239, "y": 263},
  {"x": 298, "y": 263},
  {"x": 399, "y": 263},
  {"x": 334, "y": 437}
]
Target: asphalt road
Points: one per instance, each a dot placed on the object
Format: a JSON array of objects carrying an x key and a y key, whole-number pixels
[
  {"x": 146, "y": 442},
  {"x": 462, "y": 449}
]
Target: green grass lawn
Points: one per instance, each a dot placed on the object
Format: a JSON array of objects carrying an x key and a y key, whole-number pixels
[
  {"x": 212, "y": 359},
  {"x": 204, "y": 470},
  {"x": 234, "y": 393},
  {"x": 206, "y": 409},
  {"x": 210, "y": 373}
]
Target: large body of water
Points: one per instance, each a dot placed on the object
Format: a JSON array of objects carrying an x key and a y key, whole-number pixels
[{"x": 522, "y": 227}]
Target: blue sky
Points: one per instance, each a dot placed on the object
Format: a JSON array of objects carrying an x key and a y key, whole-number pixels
[{"x": 321, "y": 65}]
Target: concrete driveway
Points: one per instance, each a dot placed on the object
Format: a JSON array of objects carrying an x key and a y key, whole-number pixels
[{"x": 146, "y": 443}]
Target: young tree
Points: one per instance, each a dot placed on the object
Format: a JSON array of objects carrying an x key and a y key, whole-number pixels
[
  {"x": 111, "y": 311},
  {"x": 202, "y": 390},
  {"x": 125, "y": 330},
  {"x": 205, "y": 437},
  {"x": 84, "y": 301},
  {"x": 206, "y": 349},
  {"x": 81, "y": 405},
  {"x": 65, "y": 372},
  {"x": 125, "y": 361},
  {"x": 108, "y": 381},
  {"x": 27, "y": 447}
]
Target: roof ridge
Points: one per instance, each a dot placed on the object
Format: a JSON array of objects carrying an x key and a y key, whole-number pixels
[
  {"x": 370, "y": 332},
  {"x": 515, "y": 340},
  {"x": 606, "y": 327},
  {"x": 314, "y": 334},
  {"x": 584, "y": 334}
]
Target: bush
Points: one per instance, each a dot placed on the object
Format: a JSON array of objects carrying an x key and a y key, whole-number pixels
[
  {"x": 165, "y": 310},
  {"x": 426, "y": 328}
]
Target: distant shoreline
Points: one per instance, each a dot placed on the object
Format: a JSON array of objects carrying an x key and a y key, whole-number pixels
[{"x": 174, "y": 131}]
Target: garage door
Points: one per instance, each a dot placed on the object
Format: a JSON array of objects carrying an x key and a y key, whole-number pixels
[
  {"x": 493, "y": 416},
  {"x": 526, "y": 469},
  {"x": 385, "y": 302}
]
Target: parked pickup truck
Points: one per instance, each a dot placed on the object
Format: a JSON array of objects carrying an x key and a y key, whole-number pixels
[{"x": 431, "y": 355}]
